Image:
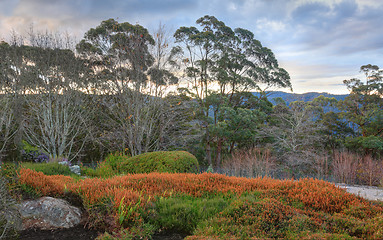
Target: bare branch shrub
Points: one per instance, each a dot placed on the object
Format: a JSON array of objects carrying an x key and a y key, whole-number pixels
[
  {"x": 254, "y": 162},
  {"x": 352, "y": 168},
  {"x": 345, "y": 165},
  {"x": 369, "y": 171},
  {"x": 321, "y": 166}
]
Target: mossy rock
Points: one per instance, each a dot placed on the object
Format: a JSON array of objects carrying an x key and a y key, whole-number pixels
[{"x": 163, "y": 161}]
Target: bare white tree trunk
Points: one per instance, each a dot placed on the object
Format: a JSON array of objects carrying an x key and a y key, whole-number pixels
[{"x": 7, "y": 125}]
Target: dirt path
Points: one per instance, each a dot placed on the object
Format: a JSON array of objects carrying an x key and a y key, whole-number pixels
[{"x": 370, "y": 193}]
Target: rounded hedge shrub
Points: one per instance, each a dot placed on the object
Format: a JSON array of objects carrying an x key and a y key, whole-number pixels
[{"x": 164, "y": 161}]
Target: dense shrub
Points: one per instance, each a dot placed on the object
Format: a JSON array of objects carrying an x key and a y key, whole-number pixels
[
  {"x": 166, "y": 161},
  {"x": 103, "y": 171},
  {"x": 10, "y": 220},
  {"x": 52, "y": 168},
  {"x": 30, "y": 153},
  {"x": 183, "y": 213}
]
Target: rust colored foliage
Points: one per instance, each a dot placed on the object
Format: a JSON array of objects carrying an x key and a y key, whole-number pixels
[
  {"x": 316, "y": 194},
  {"x": 265, "y": 207}
]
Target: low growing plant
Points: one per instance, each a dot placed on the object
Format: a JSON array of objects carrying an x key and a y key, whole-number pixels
[
  {"x": 51, "y": 168},
  {"x": 30, "y": 153}
]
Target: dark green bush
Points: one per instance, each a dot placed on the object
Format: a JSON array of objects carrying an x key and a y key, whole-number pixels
[
  {"x": 165, "y": 161},
  {"x": 52, "y": 168},
  {"x": 183, "y": 213}
]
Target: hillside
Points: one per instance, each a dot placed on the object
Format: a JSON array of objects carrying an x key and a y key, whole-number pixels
[{"x": 291, "y": 97}]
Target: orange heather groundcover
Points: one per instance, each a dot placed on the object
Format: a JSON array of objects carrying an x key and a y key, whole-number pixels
[{"x": 317, "y": 197}]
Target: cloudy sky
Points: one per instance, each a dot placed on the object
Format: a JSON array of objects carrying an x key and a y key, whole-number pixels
[{"x": 319, "y": 42}]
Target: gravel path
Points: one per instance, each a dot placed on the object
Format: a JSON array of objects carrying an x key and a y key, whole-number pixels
[{"x": 370, "y": 193}]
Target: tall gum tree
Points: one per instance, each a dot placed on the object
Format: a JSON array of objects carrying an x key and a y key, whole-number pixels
[
  {"x": 126, "y": 78},
  {"x": 47, "y": 76},
  {"x": 363, "y": 108},
  {"x": 232, "y": 61}
]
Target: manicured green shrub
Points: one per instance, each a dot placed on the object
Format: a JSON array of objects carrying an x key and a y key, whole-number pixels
[
  {"x": 115, "y": 161},
  {"x": 52, "y": 168},
  {"x": 165, "y": 161}
]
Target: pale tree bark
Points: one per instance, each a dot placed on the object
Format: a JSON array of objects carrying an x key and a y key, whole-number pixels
[
  {"x": 57, "y": 115},
  {"x": 7, "y": 126},
  {"x": 296, "y": 134}
]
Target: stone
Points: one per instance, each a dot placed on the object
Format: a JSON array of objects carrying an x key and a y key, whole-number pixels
[
  {"x": 49, "y": 213},
  {"x": 75, "y": 169}
]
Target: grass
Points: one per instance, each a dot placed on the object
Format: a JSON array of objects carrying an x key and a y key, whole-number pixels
[{"x": 213, "y": 206}]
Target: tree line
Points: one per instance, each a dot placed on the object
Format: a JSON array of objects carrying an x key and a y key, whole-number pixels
[{"x": 115, "y": 91}]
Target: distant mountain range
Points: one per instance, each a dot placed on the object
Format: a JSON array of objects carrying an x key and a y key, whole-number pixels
[{"x": 291, "y": 97}]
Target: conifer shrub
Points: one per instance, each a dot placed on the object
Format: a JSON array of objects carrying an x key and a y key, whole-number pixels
[{"x": 164, "y": 161}]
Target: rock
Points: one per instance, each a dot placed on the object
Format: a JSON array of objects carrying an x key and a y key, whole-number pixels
[
  {"x": 75, "y": 169},
  {"x": 49, "y": 213}
]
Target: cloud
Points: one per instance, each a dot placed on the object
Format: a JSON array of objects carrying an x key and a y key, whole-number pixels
[{"x": 313, "y": 39}]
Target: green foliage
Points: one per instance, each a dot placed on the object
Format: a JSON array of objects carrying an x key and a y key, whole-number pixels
[
  {"x": 364, "y": 108},
  {"x": 183, "y": 213},
  {"x": 28, "y": 192},
  {"x": 103, "y": 171},
  {"x": 231, "y": 115},
  {"x": 164, "y": 161},
  {"x": 28, "y": 147},
  {"x": 52, "y": 168},
  {"x": 111, "y": 166},
  {"x": 9, "y": 172},
  {"x": 125, "y": 212},
  {"x": 115, "y": 160},
  {"x": 144, "y": 231}
]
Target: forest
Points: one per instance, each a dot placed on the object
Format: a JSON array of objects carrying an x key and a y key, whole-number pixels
[{"x": 175, "y": 133}]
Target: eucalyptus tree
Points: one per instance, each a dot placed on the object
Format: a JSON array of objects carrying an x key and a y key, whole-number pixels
[
  {"x": 7, "y": 126},
  {"x": 126, "y": 79},
  {"x": 163, "y": 71},
  {"x": 13, "y": 75},
  {"x": 49, "y": 78},
  {"x": 232, "y": 61},
  {"x": 363, "y": 108}
]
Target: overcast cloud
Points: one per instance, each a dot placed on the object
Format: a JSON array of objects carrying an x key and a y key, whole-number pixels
[{"x": 319, "y": 42}]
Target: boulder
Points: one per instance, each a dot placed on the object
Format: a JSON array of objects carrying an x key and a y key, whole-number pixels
[
  {"x": 75, "y": 169},
  {"x": 49, "y": 213}
]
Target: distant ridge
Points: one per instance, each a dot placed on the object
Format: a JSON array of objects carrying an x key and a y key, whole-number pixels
[{"x": 291, "y": 97}]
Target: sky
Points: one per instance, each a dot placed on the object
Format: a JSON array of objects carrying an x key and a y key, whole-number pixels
[{"x": 319, "y": 42}]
